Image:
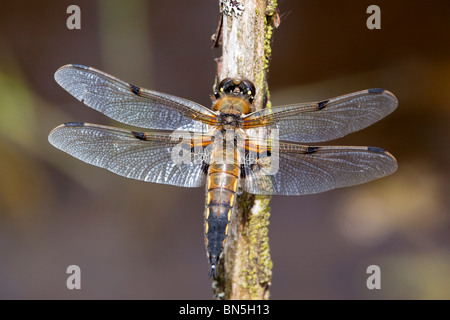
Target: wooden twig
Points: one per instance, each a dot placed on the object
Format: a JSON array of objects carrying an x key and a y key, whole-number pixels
[{"x": 245, "y": 270}]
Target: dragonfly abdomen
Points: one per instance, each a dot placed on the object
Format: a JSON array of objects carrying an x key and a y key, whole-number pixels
[{"x": 222, "y": 184}]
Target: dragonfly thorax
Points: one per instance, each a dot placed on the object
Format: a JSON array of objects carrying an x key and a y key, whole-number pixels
[
  {"x": 230, "y": 120},
  {"x": 232, "y": 104}
]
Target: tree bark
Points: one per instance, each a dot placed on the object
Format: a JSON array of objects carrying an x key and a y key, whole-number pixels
[{"x": 245, "y": 270}]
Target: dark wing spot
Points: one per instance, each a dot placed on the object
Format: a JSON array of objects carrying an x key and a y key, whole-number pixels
[
  {"x": 311, "y": 150},
  {"x": 322, "y": 104},
  {"x": 376, "y": 149},
  {"x": 242, "y": 171},
  {"x": 74, "y": 124},
  {"x": 135, "y": 89},
  {"x": 139, "y": 135},
  {"x": 205, "y": 167},
  {"x": 376, "y": 90},
  {"x": 79, "y": 66}
]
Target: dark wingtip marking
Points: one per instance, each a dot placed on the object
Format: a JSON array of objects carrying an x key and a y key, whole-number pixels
[
  {"x": 312, "y": 150},
  {"x": 242, "y": 172},
  {"x": 376, "y": 149},
  {"x": 135, "y": 89},
  {"x": 79, "y": 66},
  {"x": 322, "y": 104},
  {"x": 139, "y": 135},
  {"x": 376, "y": 90},
  {"x": 74, "y": 124},
  {"x": 205, "y": 167}
]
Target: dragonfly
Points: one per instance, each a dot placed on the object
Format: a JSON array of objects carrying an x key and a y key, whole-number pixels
[{"x": 229, "y": 147}]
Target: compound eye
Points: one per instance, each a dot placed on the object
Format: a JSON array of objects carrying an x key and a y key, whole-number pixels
[
  {"x": 249, "y": 86},
  {"x": 227, "y": 85},
  {"x": 224, "y": 84}
]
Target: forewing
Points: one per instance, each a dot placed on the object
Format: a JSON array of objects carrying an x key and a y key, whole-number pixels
[
  {"x": 130, "y": 104},
  {"x": 142, "y": 156},
  {"x": 306, "y": 170},
  {"x": 325, "y": 120}
]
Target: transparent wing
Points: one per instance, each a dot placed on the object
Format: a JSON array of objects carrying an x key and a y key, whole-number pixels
[
  {"x": 306, "y": 170},
  {"x": 325, "y": 120},
  {"x": 142, "y": 156},
  {"x": 130, "y": 104}
]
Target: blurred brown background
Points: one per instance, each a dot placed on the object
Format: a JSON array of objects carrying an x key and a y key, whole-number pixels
[{"x": 138, "y": 240}]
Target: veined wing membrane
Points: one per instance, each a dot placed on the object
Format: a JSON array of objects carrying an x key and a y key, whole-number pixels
[
  {"x": 130, "y": 104},
  {"x": 136, "y": 155},
  {"x": 325, "y": 120},
  {"x": 306, "y": 170}
]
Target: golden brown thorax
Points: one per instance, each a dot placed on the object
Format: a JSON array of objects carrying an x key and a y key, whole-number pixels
[{"x": 232, "y": 105}]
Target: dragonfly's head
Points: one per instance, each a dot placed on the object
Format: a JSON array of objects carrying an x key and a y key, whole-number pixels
[{"x": 236, "y": 87}]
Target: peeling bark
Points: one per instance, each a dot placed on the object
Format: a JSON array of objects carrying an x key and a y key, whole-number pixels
[{"x": 245, "y": 269}]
